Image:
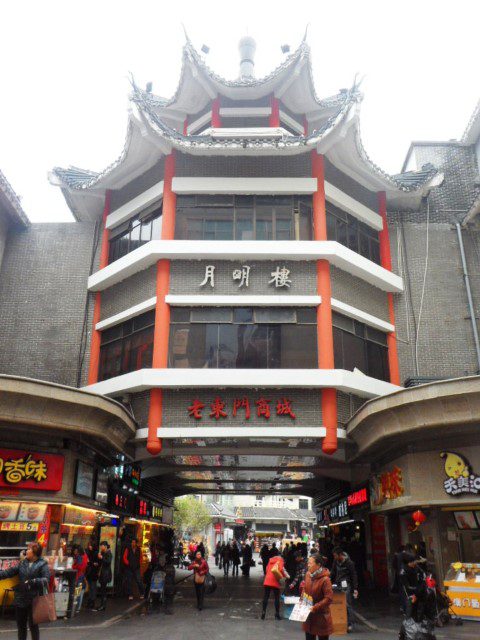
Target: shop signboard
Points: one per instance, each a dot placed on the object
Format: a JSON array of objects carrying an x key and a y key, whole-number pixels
[
  {"x": 157, "y": 512},
  {"x": 8, "y": 511},
  {"x": 30, "y": 470},
  {"x": 101, "y": 487},
  {"x": 460, "y": 478},
  {"x": 19, "y": 526},
  {"x": 84, "y": 477},
  {"x": 31, "y": 512},
  {"x": 80, "y": 517},
  {"x": 122, "y": 502},
  {"x": 386, "y": 486},
  {"x": 143, "y": 508},
  {"x": 128, "y": 475},
  {"x": 167, "y": 515},
  {"x": 217, "y": 408},
  {"x": 358, "y": 498}
]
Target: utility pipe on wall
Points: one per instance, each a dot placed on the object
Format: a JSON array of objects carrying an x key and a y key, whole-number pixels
[{"x": 469, "y": 294}]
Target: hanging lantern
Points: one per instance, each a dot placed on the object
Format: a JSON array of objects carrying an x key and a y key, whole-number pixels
[{"x": 418, "y": 517}]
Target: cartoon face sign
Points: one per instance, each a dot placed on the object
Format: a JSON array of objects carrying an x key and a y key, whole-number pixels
[{"x": 455, "y": 465}]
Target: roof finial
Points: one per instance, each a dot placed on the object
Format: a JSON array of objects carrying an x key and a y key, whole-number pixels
[
  {"x": 247, "y": 47},
  {"x": 306, "y": 32}
]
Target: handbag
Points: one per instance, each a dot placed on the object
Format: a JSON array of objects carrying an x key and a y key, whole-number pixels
[
  {"x": 43, "y": 607},
  {"x": 277, "y": 572}
]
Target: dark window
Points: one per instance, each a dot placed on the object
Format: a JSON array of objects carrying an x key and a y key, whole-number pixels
[
  {"x": 302, "y": 504},
  {"x": 127, "y": 346},
  {"x": 244, "y": 339},
  {"x": 357, "y": 346},
  {"x": 134, "y": 234},
  {"x": 228, "y": 217},
  {"x": 352, "y": 233}
]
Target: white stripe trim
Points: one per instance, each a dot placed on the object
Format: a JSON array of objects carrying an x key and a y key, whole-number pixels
[
  {"x": 245, "y": 112},
  {"x": 361, "y": 316},
  {"x": 291, "y": 122},
  {"x": 143, "y": 379},
  {"x": 239, "y": 432},
  {"x": 352, "y": 206},
  {"x": 259, "y": 186},
  {"x": 338, "y": 255},
  {"x": 199, "y": 122},
  {"x": 134, "y": 206},
  {"x": 138, "y": 309},
  {"x": 242, "y": 300}
]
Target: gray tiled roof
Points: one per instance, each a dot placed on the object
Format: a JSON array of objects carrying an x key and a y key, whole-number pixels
[
  {"x": 11, "y": 201},
  {"x": 278, "y": 513}
]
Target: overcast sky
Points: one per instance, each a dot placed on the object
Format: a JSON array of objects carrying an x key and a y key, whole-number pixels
[{"x": 65, "y": 65}]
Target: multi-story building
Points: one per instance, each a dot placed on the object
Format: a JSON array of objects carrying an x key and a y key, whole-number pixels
[{"x": 243, "y": 278}]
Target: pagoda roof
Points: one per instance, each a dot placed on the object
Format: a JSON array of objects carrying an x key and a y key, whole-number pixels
[
  {"x": 153, "y": 122},
  {"x": 10, "y": 203}
]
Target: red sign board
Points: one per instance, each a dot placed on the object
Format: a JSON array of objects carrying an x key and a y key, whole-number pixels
[
  {"x": 358, "y": 497},
  {"x": 29, "y": 470},
  {"x": 379, "y": 549},
  {"x": 217, "y": 527},
  {"x": 242, "y": 407}
]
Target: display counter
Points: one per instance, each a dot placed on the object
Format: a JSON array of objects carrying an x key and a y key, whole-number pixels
[{"x": 462, "y": 584}]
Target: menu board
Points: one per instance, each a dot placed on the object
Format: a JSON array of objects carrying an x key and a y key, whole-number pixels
[
  {"x": 19, "y": 526},
  {"x": 84, "y": 479},
  {"x": 8, "y": 511},
  {"x": 101, "y": 488},
  {"x": 31, "y": 512},
  {"x": 79, "y": 517}
]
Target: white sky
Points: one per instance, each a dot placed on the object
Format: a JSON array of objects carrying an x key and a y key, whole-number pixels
[{"x": 64, "y": 87}]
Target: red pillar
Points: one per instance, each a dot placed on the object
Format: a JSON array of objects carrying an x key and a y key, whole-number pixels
[
  {"x": 96, "y": 335},
  {"x": 275, "y": 112},
  {"x": 185, "y": 127},
  {"x": 324, "y": 310},
  {"x": 305, "y": 126},
  {"x": 162, "y": 310},
  {"x": 386, "y": 262},
  {"x": 216, "y": 120}
]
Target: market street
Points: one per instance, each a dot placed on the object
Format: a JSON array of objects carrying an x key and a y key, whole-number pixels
[{"x": 232, "y": 611}]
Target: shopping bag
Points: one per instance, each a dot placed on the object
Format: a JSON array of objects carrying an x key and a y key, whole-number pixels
[
  {"x": 210, "y": 584},
  {"x": 276, "y": 571},
  {"x": 43, "y": 608}
]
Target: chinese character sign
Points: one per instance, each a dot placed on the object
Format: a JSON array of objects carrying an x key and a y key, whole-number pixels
[
  {"x": 243, "y": 406},
  {"x": 386, "y": 486},
  {"x": 29, "y": 470},
  {"x": 280, "y": 278},
  {"x": 460, "y": 477}
]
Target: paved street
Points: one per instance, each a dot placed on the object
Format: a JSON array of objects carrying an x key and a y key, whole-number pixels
[{"x": 232, "y": 612}]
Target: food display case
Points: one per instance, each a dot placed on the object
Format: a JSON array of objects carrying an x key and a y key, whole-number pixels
[{"x": 462, "y": 583}]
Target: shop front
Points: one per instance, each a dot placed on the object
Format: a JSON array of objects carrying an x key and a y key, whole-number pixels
[{"x": 431, "y": 500}]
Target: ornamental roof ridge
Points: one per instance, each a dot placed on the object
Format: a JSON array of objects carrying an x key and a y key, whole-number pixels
[
  {"x": 473, "y": 127},
  {"x": 15, "y": 206}
]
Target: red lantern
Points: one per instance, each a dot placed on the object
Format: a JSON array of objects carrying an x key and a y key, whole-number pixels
[{"x": 418, "y": 517}]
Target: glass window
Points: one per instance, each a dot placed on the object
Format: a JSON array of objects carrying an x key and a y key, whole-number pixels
[
  {"x": 133, "y": 234},
  {"x": 244, "y": 224},
  {"x": 275, "y": 314},
  {"x": 213, "y": 314},
  {"x": 264, "y": 223},
  {"x": 243, "y": 314},
  {"x": 354, "y": 353},
  {"x": 307, "y": 315},
  {"x": 179, "y": 314},
  {"x": 298, "y": 346},
  {"x": 357, "y": 236},
  {"x": 305, "y": 222}
]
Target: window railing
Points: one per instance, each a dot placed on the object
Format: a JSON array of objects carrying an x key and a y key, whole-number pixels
[
  {"x": 357, "y": 236},
  {"x": 234, "y": 217}
]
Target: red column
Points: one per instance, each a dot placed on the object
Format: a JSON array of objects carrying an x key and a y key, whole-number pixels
[
  {"x": 216, "y": 120},
  {"x": 162, "y": 310},
  {"x": 96, "y": 335},
  {"x": 386, "y": 262},
  {"x": 185, "y": 127},
  {"x": 275, "y": 113},
  {"x": 324, "y": 310},
  {"x": 305, "y": 126}
]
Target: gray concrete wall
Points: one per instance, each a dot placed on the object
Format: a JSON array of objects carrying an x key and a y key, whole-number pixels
[
  {"x": 129, "y": 292},
  {"x": 359, "y": 294},
  {"x": 3, "y": 237},
  {"x": 43, "y": 282},
  {"x": 244, "y": 166}
]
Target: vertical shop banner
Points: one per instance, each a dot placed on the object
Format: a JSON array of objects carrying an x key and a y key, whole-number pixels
[
  {"x": 43, "y": 533},
  {"x": 379, "y": 550}
]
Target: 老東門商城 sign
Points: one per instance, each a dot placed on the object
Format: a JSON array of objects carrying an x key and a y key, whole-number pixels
[{"x": 30, "y": 470}]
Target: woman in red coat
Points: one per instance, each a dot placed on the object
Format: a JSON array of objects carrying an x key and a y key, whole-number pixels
[
  {"x": 199, "y": 567},
  {"x": 271, "y": 584},
  {"x": 319, "y": 588}
]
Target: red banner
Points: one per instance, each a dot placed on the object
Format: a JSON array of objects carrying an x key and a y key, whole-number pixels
[{"x": 30, "y": 470}]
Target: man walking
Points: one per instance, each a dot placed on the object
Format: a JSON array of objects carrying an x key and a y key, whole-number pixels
[
  {"x": 131, "y": 565},
  {"x": 344, "y": 575}
]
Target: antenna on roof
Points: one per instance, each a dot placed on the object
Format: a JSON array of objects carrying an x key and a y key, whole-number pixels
[{"x": 247, "y": 47}]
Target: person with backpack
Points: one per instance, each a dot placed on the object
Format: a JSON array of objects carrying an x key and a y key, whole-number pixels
[
  {"x": 200, "y": 570},
  {"x": 275, "y": 572}
]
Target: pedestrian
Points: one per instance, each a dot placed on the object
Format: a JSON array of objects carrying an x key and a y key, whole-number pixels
[
  {"x": 220, "y": 561},
  {"x": 80, "y": 563},
  {"x": 226, "y": 557},
  {"x": 131, "y": 566},
  {"x": 265, "y": 557},
  {"x": 201, "y": 548},
  {"x": 104, "y": 573},
  {"x": 33, "y": 577},
  {"x": 271, "y": 584},
  {"x": 247, "y": 560},
  {"x": 273, "y": 551},
  {"x": 199, "y": 567},
  {"x": 397, "y": 565},
  {"x": 218, "y": 550},
  {"x": 298, "y": 574},
  {"x": 344, "y": 576},
  {"x": 319, "y": 587},
  {"x": 235, "y": 557},
  {"x": 91, "y": 574}
]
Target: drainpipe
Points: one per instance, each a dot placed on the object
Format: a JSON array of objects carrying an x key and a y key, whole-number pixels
[{"x": 469, "y": 294}]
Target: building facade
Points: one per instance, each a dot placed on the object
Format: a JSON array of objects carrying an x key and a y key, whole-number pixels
[{"x": 243, "y": 279}]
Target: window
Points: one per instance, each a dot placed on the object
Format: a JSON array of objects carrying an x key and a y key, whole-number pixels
[
  {"x": 352, "y": 233},
  {"x": 357, "y": 346},
  {"x": 229, "y": 217},
  {"x": 135, "y": 233},
  {"x": 127, "y": 346},
  {"x": 302, "y": 504},
  {"x": 243, "y": 338}
]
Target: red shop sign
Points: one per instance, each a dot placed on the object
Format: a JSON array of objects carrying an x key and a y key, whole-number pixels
[
  {"x": 29, "y": 470},
  {"x": 358, "y": 497},
  {"x": 217, "y": 527}
]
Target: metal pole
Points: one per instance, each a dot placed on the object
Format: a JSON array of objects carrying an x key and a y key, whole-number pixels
[{"x": 469, "y": 295}]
